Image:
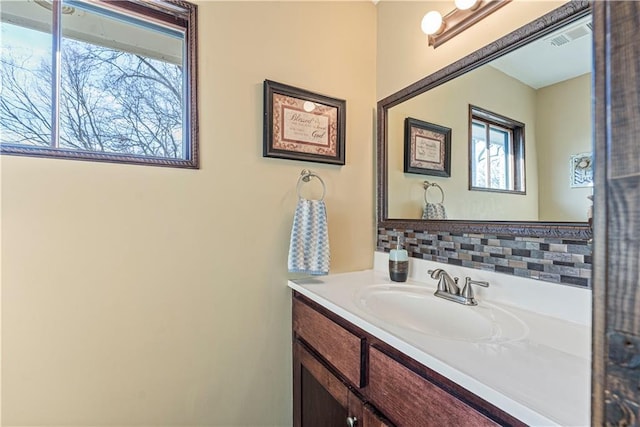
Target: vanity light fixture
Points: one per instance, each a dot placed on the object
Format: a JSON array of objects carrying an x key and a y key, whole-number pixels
[{"x": 439, "y": 29}]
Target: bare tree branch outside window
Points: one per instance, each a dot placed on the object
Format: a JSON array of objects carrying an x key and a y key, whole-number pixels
[{"x": 111, "y": 100}]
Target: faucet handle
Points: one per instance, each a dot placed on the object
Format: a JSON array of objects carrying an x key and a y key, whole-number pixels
[
  {"x": 467, "y": 291},
  {"x": 439, "y": 274},
  {"x": 446, "y": 283}
]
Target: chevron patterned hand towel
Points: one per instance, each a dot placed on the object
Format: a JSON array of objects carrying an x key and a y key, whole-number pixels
[
  {"x": 309, "y": 247},
  {"x": 434, "y": 211}
]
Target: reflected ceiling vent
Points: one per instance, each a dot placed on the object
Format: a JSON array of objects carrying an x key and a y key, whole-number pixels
[{"x": 570, "y": 34}]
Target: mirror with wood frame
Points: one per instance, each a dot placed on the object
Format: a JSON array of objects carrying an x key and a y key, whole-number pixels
[{"x": 544, "y": 202}]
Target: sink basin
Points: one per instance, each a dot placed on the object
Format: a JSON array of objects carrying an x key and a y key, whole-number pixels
[{"x": 416, "y": 308}]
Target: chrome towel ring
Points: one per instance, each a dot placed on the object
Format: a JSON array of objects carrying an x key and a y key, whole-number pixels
[
  {"x": 305, "y": 176},
  {"x": 428, "y": 185}
]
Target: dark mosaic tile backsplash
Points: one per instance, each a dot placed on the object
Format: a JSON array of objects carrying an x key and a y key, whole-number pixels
[{"x": 550, "y": 259}]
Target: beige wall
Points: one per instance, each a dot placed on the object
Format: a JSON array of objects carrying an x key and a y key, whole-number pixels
[
  {"x": 136, "y": 295},
  {"x": 564, "y": 115},
  {"x": 403, "y": 54},
  {"x": 448, "y": 105}
]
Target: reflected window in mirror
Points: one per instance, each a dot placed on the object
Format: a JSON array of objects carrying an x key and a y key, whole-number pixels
[
  {"x": 524, "y": 77},
  {"x": 496, "y": 152}
]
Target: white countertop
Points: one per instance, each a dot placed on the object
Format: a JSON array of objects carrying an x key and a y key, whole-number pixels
[{"x": 543, "y": 379}]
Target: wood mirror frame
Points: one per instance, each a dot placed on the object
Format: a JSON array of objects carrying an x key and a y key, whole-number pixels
[
  {"x": 616, "y": 246},
  {"x": 526, "y": 34}
]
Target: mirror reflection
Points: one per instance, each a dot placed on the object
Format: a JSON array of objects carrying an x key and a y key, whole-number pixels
[{"x": 542, "y": 174}]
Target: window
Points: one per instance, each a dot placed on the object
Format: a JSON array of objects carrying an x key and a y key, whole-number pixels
[
  {"x": 496, "y": 152},
  {"x": 99, "y": 80}
]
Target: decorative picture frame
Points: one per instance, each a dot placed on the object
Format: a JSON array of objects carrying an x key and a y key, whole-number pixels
[
  {"x": 302, "y": 125},
  {"x": 427, "y": 148},
  {"x": 581, "y": 170}
]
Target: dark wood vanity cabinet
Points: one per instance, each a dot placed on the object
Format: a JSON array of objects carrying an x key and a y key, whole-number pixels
[
  {"x": 344, "y": 376},
  {"x": 321, "y": 399}
]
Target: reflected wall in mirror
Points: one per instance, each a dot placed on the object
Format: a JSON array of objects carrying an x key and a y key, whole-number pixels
[
  {"x": 487, "y": 79},
  {"x": 544, "y": 84}
]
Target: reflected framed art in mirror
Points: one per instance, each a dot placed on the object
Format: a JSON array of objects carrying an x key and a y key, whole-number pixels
[{"x": 536, "y": 213}]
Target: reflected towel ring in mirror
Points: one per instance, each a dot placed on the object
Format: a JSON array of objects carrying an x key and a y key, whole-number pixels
[
  {"x": 427, "y": 185},
  {"x": 305, "y": 176},
  {"x": 480, "y": 213},
  {"x": 433, "y": 211}
]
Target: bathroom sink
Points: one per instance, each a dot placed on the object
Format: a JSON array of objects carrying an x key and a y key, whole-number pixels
[{"x": 416, "y": 308}]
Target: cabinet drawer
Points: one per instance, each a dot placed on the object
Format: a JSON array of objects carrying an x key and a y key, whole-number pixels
[
  {"x": 408, "y": 399},
  {"x": 335, "y": 344}
]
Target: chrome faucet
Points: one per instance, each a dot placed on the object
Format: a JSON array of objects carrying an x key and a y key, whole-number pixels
[
  {"x": 445, "y": 282},
  {"x": 449, "y": 290}
]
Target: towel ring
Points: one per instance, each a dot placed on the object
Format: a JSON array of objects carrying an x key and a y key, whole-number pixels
[
  {"x": 426, "y": 186},
  {"x": 305, "y": 176}
]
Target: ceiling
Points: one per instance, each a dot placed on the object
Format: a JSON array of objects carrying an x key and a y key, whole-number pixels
[{"x": 562, "y": 55}]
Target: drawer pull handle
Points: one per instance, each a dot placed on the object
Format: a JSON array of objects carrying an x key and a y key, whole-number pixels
[{"x": 352, "y": 421}]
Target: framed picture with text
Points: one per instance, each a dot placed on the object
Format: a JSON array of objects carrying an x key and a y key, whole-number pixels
[
  {"x": 427, "y": 148},
  {"x": 302, "y": 125}
]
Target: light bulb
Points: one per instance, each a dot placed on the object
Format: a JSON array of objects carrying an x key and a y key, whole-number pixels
[
  {"x": 466, "y": 4},
  {"x": 431, "y": 23}
]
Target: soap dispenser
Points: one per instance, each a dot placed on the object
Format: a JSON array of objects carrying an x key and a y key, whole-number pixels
[{"x": 398, "y": 263}]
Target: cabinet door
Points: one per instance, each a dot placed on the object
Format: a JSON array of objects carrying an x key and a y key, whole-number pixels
[
  {"x": 320, "y": 399},
  {"x": 338, "y": 346},
  {"x": 371, "y": 419},
  {"x": 410, "y": 400}
]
